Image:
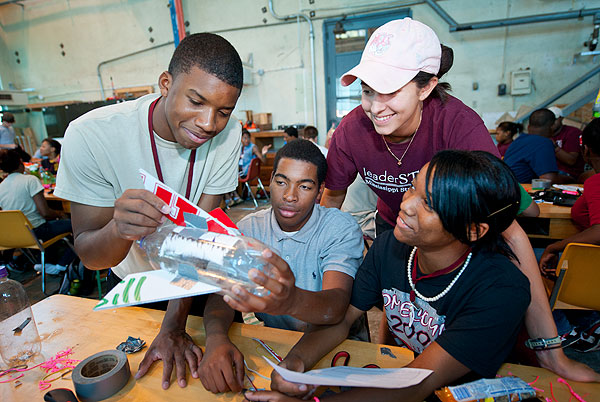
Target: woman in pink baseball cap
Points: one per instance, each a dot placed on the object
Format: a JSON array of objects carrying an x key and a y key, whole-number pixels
[{"x": 405, "y": 117}]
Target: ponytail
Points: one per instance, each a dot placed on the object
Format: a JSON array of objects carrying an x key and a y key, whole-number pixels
[
  {"x": 441, "y": 89},
  {"x": 512, "y": 128}
]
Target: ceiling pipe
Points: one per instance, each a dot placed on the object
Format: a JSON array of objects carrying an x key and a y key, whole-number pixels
[
  {"x": 12, "y": 2},
  {"x": 563, "y": 15},
  {"x": 180, "y": 19},
  {"x": 311, "y": 35},
  {"x": 123, "y": 57}
]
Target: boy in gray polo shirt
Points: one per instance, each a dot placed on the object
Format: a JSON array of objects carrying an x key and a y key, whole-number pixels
[{"x": 318, "y": 253}]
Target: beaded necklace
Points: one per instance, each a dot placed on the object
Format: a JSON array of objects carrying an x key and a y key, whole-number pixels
[{"x": 466, "y": 257}]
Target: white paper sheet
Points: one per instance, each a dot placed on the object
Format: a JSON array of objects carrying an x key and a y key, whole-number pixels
[
  {"x": 356, "y": 376},
  {"x": 151, "y": 286}
]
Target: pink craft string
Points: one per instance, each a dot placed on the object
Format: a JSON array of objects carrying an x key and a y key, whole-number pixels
[
  {"x": 533, "y": 382},
  {"x": 12, "y": 378},
  {"x": 573, "y": 393},
  {"x": 57, "y": 363},
  {"x": 552, "y": 393}
]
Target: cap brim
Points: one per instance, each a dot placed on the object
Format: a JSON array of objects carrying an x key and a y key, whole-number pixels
[{"x": 380, "y": 77}]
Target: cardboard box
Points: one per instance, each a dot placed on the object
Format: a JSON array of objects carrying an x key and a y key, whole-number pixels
[
  {"x": 263, "y": 118},
  {"x": 263, "y": 121}
]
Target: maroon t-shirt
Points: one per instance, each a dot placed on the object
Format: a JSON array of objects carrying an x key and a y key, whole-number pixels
[
  {"x": 568, "y": 140},
  {"x": 356, "y": 147},
  {"x": 586, "y": 211},
  {"x": 502, "y": 148}
]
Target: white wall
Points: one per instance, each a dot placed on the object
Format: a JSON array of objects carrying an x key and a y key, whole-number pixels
[{"x": 93, "y": 31}]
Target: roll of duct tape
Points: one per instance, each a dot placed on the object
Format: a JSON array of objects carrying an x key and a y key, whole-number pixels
[{"x": 101, "y": 375}]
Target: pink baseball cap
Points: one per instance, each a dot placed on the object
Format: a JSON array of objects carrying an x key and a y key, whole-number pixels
[{"x": 395, "y": 54}]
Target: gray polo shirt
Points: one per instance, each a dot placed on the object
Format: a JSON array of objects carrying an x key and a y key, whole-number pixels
[{"x": 330, "y": 240}]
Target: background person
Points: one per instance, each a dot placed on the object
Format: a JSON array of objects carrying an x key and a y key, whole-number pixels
[
  {"x": 50, "y": 151},
  {"x": 186, "y": 138},
  {"x": 531, "y": 156},
  {"x": 567, "y": 148},
  {"x": 25, "y": 193},
  {"x": 586, "y": 214},
  {"x": 311, "y": 134},
  {"x": 7, "y": 131},
  {"x": 248, "y": 153},
  {"x": 505, "y": 135},
  {"x": 290, "y": 134}
]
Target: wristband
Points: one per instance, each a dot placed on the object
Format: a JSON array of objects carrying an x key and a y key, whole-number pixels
[
  {"x": 316, "y": 399},
  {"x": 544, "y": 343}
]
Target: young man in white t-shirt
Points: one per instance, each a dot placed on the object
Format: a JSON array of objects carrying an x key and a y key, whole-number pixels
[{"x": 187, "y": 139}]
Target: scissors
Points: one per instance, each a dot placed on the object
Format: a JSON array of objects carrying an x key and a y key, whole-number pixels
[{"x": 342, "y": 354}]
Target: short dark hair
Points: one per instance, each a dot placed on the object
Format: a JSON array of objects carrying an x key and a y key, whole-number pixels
[
  {"x": 303, "y": 150},
  {"x": 54, "y": 144},
  {"x": 590, "y": 136},
  {"x": 310, "y": 132},
  {"x": 291, "y": 131},
  {"x": 245, "y": 132},
  {"x": 211, "y": 53},
  {"x": 510, "y": 127},
  {"x": 542, "y": 118},
  {"x": 473, "y": 187},
  {"x": 10, "y": 160},
  {"x": 8, "y": 117},
  {"x": 442, "y": 88}
]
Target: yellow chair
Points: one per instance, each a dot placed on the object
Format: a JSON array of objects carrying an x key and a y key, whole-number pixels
[
  {"x": 17, "y": 233},
  {"x": 578, "y": 278}
]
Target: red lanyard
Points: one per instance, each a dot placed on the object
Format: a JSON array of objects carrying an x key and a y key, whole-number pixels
[
  {"x": 155, "y": 153},
  {"x": 444, "y": 271}
]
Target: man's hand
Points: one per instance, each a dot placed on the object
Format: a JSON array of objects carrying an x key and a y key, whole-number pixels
[
  {"x": 172, "y": 346},
  {"x": 222, "y": 367},
  {"x": 548, "y": 263},
  {"x": 281, "y": 287},
  {"x": 290, "y": 388},
  {"x": 138, "y": 213}
]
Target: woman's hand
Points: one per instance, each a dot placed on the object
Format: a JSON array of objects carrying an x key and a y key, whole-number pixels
[
  {"x": 556, "y": 361},
  {"x": 271, "y": 396},
  {"x": 293, "y": 363}
]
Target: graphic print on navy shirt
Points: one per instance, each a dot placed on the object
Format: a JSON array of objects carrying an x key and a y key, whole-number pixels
[{"x": 414, "y": 325}]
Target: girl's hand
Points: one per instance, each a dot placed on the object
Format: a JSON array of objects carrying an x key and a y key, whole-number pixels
[{"x": 270, "y": 396}]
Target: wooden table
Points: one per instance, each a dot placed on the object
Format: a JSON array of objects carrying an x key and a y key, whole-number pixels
[
  {"x": 554, "y": 221},
  {"x": 66, "y": 321},
  {"x": 53, "y": 201}
]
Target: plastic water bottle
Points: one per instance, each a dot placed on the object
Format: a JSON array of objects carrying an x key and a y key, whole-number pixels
[
  {"x": 19, "y": 338},
  {"x": 199, "y": 255},
  {"x": 596, "y": 107}
]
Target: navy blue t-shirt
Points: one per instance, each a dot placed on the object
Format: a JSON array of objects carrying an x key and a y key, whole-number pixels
[
  {"x": 476, "y": 322},
  {"x": 530, "y": 156}
]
